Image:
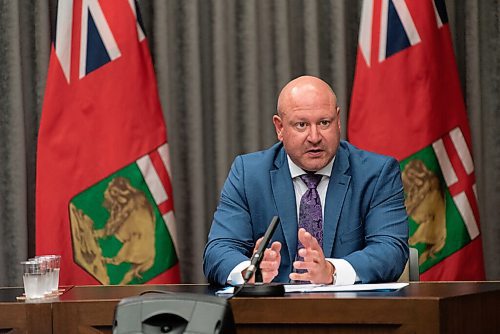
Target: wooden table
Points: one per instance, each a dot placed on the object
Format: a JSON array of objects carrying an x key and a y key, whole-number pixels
[
  {"x": 21, "y": 317},
  {"x": 418, "y": 308},
  {"x": 422, "y": 307}
]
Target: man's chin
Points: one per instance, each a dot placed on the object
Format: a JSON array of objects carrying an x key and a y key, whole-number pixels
[{"x": 314, "y": 165}]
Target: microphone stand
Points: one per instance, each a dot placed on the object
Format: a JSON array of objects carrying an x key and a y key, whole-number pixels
[
  {"x": 258, "y": 275},
  {"x": 260, "y": 289}
]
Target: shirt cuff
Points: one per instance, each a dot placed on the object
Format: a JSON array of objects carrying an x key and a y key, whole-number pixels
[
  {"x": 344, "y": 272},
  {"x": 235, "y": 277}
]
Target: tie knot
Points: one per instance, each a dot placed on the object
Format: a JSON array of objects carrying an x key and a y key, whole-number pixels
[{"x": 311, "y": 180}]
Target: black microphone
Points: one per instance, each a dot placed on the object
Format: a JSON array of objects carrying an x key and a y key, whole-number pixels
[{"x": 259, "y": 254}]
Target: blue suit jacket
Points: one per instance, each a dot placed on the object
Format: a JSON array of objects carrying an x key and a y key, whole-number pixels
[{"x": 365, "y": 219}]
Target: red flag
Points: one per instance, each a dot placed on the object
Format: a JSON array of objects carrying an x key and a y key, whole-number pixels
[
  {"x": 407, "y": 103},
  {"x": 104, "y": 197}
]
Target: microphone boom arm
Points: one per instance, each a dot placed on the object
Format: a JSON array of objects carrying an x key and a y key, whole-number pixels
[{"x": 256, "y": 259}]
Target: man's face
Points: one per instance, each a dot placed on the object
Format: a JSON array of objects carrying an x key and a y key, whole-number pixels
[{"x": 309, "y": 127}]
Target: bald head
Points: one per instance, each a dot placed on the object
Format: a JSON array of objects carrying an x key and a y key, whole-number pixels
[
  {"x": 305, "y": 91},
  {"x": 308, "y": 122}
]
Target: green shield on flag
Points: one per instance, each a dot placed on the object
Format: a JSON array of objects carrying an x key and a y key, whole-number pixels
[
  {"x": 118, "y": 233},
  {"x": 437, "y": 228}
]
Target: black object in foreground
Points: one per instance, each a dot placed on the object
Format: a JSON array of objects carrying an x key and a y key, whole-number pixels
[{"x": 259, "y": 288}]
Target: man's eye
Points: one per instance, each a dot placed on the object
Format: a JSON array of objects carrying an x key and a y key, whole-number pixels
[
  {"x": 324, "y": 123},
  {"x": 301, "y": 125}
]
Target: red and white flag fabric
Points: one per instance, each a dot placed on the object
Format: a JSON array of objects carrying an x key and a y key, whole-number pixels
[
  {"x": 407, "y": 103},
  {"x": 103, "y": 191}
]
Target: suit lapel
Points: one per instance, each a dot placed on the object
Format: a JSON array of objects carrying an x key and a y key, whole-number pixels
[
  {"x": 335, "y": 195},
  {"x": 284, "y": 197}
]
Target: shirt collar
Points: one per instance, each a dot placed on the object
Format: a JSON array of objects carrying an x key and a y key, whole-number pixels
[{"x": 296, "y": 171}]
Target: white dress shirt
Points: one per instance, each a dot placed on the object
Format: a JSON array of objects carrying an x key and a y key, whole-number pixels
[{"x": 344, "y": 272}]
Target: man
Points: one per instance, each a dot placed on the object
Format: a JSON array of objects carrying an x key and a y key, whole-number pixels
[{"x": 354, "y": 211}]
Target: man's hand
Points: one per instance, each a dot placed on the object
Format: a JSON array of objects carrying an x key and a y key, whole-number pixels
[
  {"x": 318, "y": 269},
  {"x": 270, "y": 262}
]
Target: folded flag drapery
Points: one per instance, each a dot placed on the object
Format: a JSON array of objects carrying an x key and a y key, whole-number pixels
[
  {"x": 407, "y": 103},
  {"x": 103, "y": 191}
]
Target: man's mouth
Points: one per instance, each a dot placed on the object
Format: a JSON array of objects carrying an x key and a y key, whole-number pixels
[{"x": 314, "y": 151}]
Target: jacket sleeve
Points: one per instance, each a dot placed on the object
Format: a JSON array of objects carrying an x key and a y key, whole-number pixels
[{"x": 230, "y": 240}]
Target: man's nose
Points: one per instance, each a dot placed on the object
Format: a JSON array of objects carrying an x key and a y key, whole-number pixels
[{"x": 314, "y": 134}]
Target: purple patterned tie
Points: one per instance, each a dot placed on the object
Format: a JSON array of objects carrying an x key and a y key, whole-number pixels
[{"x": 310, "y": 213}]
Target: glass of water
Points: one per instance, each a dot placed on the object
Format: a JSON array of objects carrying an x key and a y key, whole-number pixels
[
  {"x": 53, "y": 265},
  {"x": 45, "y": 279},
  {"x": 34, "y": 277}
]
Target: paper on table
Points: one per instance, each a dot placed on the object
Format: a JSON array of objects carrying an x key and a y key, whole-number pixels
[
  {"x": 291, "y": 288},
  {"x": 342, "y": 288}
]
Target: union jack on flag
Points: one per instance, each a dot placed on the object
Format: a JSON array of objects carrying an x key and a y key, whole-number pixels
[
  {"x": 407, "y": 103},
  {"x": 397, "y": 29},
  {"x": 104, "y": 193}
]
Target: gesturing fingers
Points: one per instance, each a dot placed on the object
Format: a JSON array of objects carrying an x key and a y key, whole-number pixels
[
  {"x": 318, "y": 273},
  {"x": 270, "y": 261},
  {"x": 311, "y": 260},
  {"x": 276, "y": 246},
  {"x": 313, "y": 266},
  {"x": 310, "y": 255},
  {"x": 307, "y": 240},
  {"x": 270, "y": 257}
]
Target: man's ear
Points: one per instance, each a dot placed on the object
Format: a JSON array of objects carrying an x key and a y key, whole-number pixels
[
  {"x": 278, "y": 126},
  {"x": 338, "y": 115}
]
